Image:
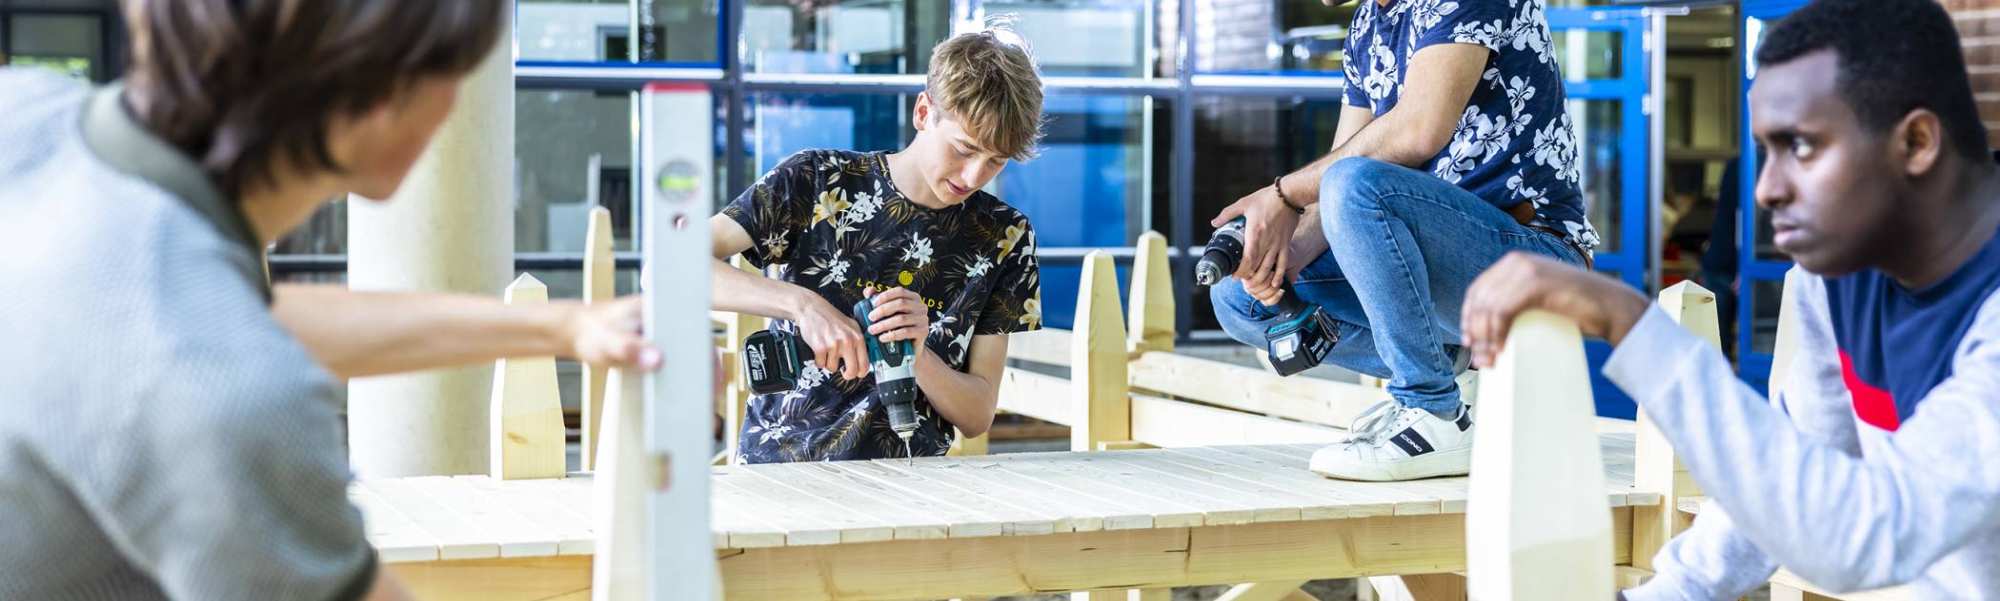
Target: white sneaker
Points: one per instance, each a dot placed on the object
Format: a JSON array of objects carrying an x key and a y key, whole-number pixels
[{"x": 1390, "y": 442}]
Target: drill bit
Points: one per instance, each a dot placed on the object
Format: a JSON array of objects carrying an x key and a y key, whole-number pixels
[{"x": 910, "y": 458}]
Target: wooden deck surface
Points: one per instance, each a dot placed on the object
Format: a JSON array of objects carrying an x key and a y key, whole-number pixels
[{"x": 433, "y": 519}]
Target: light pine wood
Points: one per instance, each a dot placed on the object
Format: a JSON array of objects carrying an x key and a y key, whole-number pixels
[
  {"x": 1419, "y": 587},
  {"x": 522, "y": 579},
  {"x": 1100, "y": 406},
  {"x": 1536, "y": 527},
  {"x": 600, "y": 284},
  {"x": 962, "y": 445},
  {"x": 736, "y": 396},
  {"x": 621, "y": 486},
  {"x": 527, "y": 428},
  {"x": 1786, "y": 585},
  {"x": 1656, "y": 468},
  {"x": 1262, "y": 591},
  {"x": 1251, "y": 389},
  {"x": 1152, "y": 291},
  {"x": 1047, "y": 346},
  {"x": 1042, "y": 397},
  {"x": 1167, "y": 423}
]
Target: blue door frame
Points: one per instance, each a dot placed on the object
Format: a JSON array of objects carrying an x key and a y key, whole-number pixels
[
  {"x": 1753, "y": 366},
  {"x": 1630, "y": 261}
]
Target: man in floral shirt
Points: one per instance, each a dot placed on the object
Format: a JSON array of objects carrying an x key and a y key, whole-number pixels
[
  {"x": 1454, "y": 148},
  {"x": 949, "y": 266}
]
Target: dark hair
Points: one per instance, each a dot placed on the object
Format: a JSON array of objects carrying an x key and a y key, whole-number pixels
[
  {"x": 239, "y": 84},
  {"x": 1895, "y": 56}
]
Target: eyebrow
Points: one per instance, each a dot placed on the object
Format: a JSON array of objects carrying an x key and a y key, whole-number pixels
[{"x": 969, "y": 143}]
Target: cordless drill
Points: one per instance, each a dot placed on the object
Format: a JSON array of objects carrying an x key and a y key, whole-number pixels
[
  {"x": 1302, "y": 334},
  {"x": 773, "y": 359}
]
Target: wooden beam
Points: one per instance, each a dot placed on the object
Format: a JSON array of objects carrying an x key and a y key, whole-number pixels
[
  {"x": 1536, "y": 524},
  {"x": 1252, "y": 389},
  {"x": 1419, "y": 587},
  {"x": 526, "y": 439},
  {"x": 1170, "y": 423},
  {"x": 1786, "y": 585},
  {"x": 620, "y": 487},
  {"x": 1100, "y": 408},
  {"x": 526, "y": 579},
  {"x": 736, "y": 396},
  {"x": 1655, "y": 467},
  {"x": 599, "y": 285},
  {"x": 1148, "y": 558},
  {"x": 1262, "y": 591},
  {"x": 1046, "y": 398},
  {"x": 1152, "y": 291},
  {"x": 1047, "y": 346}
]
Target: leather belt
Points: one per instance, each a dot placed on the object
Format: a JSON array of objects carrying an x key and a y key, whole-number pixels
[{"x": 1524, "y": 214}]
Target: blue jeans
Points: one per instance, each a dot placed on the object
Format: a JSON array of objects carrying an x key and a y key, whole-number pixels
[{"x": 1404, "y": 246}]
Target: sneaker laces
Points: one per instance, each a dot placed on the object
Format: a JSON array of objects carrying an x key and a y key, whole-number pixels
[{"x": 1372, "y": 423}]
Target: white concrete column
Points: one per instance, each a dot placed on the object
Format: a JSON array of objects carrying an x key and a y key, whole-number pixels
[{"x": 450, "y": 228}]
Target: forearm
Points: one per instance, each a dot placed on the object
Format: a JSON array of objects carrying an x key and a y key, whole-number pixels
[
  {"x": 1385, "y": 139},
  {"x": 740, "y": 291},
  {"x": 356, "y": 334},
  {"x": 966, "y": 400}
]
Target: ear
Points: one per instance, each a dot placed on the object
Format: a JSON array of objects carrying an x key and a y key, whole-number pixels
[
  {"x": 920, "y": 115},
  {"x": 1918, "y": 142}
]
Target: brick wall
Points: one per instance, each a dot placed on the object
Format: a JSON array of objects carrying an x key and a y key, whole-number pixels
[{"x": 1979, "y": 30}]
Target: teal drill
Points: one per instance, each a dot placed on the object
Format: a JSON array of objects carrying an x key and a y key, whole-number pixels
[{"x": 895, "y": 367}]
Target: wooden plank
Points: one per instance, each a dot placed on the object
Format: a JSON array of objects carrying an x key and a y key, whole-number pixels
[
  {"x": 619, "y": 488},
  {"x": 1156, "y": 468},
  {"x": 1102, "y": 475},
  {"x": 1655, "y": 467},
  {"x": 395, "y": 537},
  {"x": 1331, "y": 499},
  {"x": 800, "y": 514},
  {"x": 904, "y": 519},
  {"x": 1262, "y": 591},
  {"x": 1152, "y": 290},
  {"x": 600, "y": 271},
  {"x": 1046, "y": 398},
  {"x": 1125, "y": 512},
  {"x": 1047, "y": 346},
  {"x": 517, "y": 535},
  {"x": 1362, "y": 499},
  {"x": 1170, "y": 423},
  {"x": 565, "y": 578},
  {"x": 992, "y": 517},
  {"x": 1784, "y": 583},
  {"x": 526, "y": 434},
  {"x": 1100, "y": 409},
  {"x": 539, "y": 504},
  {"x": 1536, "y": 526},
  {"x": 962, "y": 518},
  {"x": 1046, "y": 515},
  {"x": 457, "y": 537},
  {"x": 1306, "y": 491},
  {"x": 1315, "y": 400},
  {"x": 968, "y": 446},
  {"x": 1402, "y": 499}
]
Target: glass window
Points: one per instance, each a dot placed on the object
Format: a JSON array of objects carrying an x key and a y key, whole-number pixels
[
  {"x": 1588, "y": 54},
  {"x": 1599, "y": 125},
  {"x": 1100, "y": 38},
  {"x": 573, "y": 151},
  {"x": 842, "y": 36},
  {"x": 70, "y": 44},
  {"x": 670, "y": 31},
  {"x": 1265, "y": 35}
]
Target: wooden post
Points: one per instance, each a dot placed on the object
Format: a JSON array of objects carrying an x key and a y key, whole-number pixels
[
  {"x": 969, "y": 445},
  {"x": 527, "y": 436},
  {"x": 1655, "y": 468},
  {"x": 1102, "y": 409},
  {"x": 736, "y": 397},
  {"x": 1536, "y": 525},
  {"x": 599, "y": 285},
  {"x": 1152, "y": 292},
  {"x": 619, "y": 488}
]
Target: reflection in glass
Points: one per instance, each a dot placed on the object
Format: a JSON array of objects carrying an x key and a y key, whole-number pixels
[
  {"x": 678, "y": 31},
  {"x": 842, "y": 36},
  {"x": 1240, "y": 145},
  {"x": 1262, "y": 35},
  {"x": 69, "y": 44},
  {"x": 573, "y": 151},
  {"x": 1103, "y": 38},
  {"x": 1599, "y": 123},
  {"x": 1585, "y": 54}
]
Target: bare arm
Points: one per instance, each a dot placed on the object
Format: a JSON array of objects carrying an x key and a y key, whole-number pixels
[
  {"x": 831, "y": 332},
  {"x": 966, "y": 398},
  {"x": 358, "y": 334},
  {"x": 1440, "y": 82},
  {"x": 1309, "y": 240}
]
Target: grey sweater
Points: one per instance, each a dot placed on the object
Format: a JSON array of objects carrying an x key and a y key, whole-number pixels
[
  {"x": 160, "y": 435},
  {"x": 1799, "y": 481}
]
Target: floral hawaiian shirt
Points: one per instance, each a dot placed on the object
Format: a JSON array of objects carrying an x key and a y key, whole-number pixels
[
  {"x": 833, "y": 222},
  {"x": 1514, "y": 142}
]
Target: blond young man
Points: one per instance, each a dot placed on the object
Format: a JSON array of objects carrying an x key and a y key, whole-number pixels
[{"x": 949, "y": 266}]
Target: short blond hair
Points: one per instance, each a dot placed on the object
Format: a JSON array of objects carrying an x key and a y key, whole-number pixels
[{"x": 987, "y": 81}]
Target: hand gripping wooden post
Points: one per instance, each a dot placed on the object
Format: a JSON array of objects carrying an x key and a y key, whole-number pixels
[
  {"x": 526, "y": 414},
  {"x": 1536, "y": 525},
  {"x": 600, "y": 269},
  {"x": 1655, "y": 468}
]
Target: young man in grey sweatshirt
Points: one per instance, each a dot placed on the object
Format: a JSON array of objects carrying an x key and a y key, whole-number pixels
[{"x": 1872, "y": 467}]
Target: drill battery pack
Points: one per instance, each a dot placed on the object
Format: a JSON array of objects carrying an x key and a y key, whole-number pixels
[
  {"x": 1299, "y": 339},
  {"x": 772, "y": 360}
]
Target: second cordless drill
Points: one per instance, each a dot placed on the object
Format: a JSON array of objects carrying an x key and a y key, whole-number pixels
[{"x": 1302, "y": 334}]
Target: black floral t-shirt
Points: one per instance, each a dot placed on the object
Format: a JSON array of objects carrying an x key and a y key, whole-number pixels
[{"x": 833, "y": 222}]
